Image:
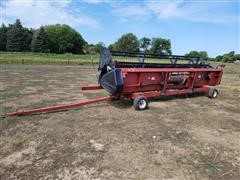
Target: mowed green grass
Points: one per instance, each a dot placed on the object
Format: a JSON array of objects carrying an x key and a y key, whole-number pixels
[
  {"x": 46, "y": 58},
  {"x": 68, "y": 58}
]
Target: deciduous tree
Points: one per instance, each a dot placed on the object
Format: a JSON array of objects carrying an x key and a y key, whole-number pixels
[
  {"x": 99, "y": 47},
  {"x": 63, "y": 38},
  {"x": 200, "y": 54},
  {"x": 145, "y": 44},
  {"x": 160, "y": 46},
  {"x": 127, "y": 42}
]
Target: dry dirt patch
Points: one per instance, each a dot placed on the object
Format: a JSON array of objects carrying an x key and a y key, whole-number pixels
[{"x": 179, "y": 138}]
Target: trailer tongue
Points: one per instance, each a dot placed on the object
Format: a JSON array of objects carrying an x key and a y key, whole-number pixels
[
  {"x": 140, "y": 80},
  {"x": 60, "y": 107}
]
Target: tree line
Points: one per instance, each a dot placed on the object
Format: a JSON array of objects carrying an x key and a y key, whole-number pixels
[
  {"x": 51, "y": 38},
  {"x": 228, "y": 57},
  {"x": 130, "y": 43},
  {"x": 64, "y": 39}
]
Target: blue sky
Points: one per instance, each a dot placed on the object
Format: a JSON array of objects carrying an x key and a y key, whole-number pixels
[{"x": 211, "y": 26}]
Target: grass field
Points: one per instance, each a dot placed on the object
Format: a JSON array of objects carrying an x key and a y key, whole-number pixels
[
  {"x": 178, "y": 138},
  {"x": 46, "y": 58},
  {"x": 70, "y": 59}
]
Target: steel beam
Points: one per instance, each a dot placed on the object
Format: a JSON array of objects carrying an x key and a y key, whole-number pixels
[
  {"x": 94, "y": 87},
  {"x": 60, "y": 107}
]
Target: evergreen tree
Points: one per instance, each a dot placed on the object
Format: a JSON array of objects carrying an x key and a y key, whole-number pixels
[
  {"x": 27, "y": 38},
  {"x": 3, "y": 37},
  {"x": 40, "y": 41},
  {"x": 18, "y": 38}
]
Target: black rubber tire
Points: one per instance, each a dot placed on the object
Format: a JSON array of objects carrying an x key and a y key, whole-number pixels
[
  {"x": 140, "y": 103},
  {"x": 212, "y": 93}
]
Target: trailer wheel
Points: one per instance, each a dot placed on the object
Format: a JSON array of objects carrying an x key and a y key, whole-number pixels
[
  {"x": 213, "y": 93},
  {"x": 140, "y": 103}
]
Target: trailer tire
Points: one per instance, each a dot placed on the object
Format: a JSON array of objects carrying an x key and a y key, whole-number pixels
[
  {"x": 213, "y": 93},
  {"x": 140, "y": 103}
]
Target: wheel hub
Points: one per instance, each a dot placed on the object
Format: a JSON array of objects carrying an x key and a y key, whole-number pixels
[{"x": 142, "y": 104}]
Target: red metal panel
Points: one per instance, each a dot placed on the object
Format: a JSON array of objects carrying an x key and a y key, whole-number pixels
[
  {"x": 204, "y": 89},
  {"x": 153, "y": 94},
  {"x": 159, "y": 79},
  {"x": 129, "y": 70},
  {"x": 150, "y": 94},
  {"x": 219, "y": 78},
  {"x": 165, "y": 85}
]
